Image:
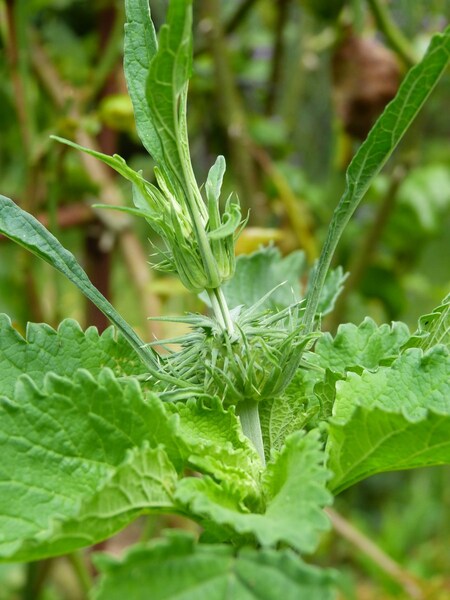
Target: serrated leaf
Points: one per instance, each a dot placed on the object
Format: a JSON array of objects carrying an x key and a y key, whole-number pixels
[
  {"x": 412, "y": 385},
  {"x": 433, "y": 328},
  {"x": 373, "y": 154},
  {"x": 26, "y": 231},
  {"x": 375, "y": 441},
  {"x": 212, "y": 572},
  {"x": 62, "y": 352},
  {"x": 286, "y": 414},
  {"x": 80, "y": 460},
  {"x": 295, "y": 488},
  {"x": 217, "y": 446},
  {"x": 365, "y": 346},
  {"x": 397, "y": 417}
]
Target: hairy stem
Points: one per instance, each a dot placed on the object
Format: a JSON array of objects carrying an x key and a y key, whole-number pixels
[{"x": 248, "y": 414}]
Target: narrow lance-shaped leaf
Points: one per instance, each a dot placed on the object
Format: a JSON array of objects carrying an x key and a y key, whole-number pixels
[
  {"x": 375, "y": 151},
  {"x": 26, "y": 231}
]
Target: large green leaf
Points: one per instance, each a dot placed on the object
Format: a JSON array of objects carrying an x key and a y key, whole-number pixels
[
  {"x": 260, "y": 272},
  {"x": 175, "y": 568},
  {"x": 359, "y": 347},
  {"x": 26, "y": 231},
  {"x": 80, "y": 459},
  {"x": 397, "y": 417},
  {"x": 376, "y": 150},
  {"x": 295, "y": 488},
  {"x": 44, "y": 350}
]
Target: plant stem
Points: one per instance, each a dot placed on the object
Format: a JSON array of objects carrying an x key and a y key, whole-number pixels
[
  {"x": 78, "y": 563},
  {"x": 248, "y": 414},
  {"x": 220, "y": 309},
  {"x": 362, "y": 258},
  {"x": 376, "y": 554},
  {"x": 395, "y": 37}
]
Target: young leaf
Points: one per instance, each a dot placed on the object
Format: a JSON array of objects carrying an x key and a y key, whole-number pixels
[
  {"x": 290, "y": 412},
  {"x": 26, "y": 231},
  {"x": 80, "y": 460},
  {"x": 295, "y": 487},
  {"x": 139, "y": 50},
  {"x": 214, "y": 572},
  {"x": 375, "y": 151},
  {"x": 62, "y": 352},
  {"x": 217, "y": 446},
  {"x": 390, "y": 419}
]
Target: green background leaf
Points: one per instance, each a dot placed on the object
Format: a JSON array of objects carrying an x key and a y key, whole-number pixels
[{"x": 176, "y": 568}]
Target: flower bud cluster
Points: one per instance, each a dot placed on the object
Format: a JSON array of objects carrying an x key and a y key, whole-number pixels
[{"x": 199, "y": 238}]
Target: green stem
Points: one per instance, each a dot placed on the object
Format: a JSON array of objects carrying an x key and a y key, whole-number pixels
[
  {"x": 78, "y": 563},
  {"x": 248, "y": 414},
  {"x": 395, "y": 37},
  {"x": 220, "y": 309}
]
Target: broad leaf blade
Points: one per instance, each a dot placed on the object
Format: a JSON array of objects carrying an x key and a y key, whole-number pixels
[
  {"x": 378, "y": 414},
  {"x": 26, "y": 231},
  {"x": 375, "y": 441},
  {"x": 62, "y": 352},
  {"x": 205, "y": 571},
  {"x": 376, "y": 150},
  {"x": 295, "y": 487},
  {"x": 80, "y": 459},
  {"x": 363, "y": 346}
]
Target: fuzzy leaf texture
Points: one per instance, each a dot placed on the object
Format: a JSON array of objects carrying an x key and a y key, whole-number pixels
[
  {"x": 209, "y": 572},
  {"x": 80, "y": 460},
  {"x": 46, "y": 350},
  {"x": 294, "y": 485},
  {"x": 395, "y": 418},
  {"x": 26, "y": 231},
  {"x": 363, "y": 346}
]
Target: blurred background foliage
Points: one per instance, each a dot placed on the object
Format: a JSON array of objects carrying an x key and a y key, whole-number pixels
[{"x": 286, "y": 90}]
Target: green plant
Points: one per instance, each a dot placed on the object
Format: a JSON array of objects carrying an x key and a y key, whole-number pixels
[{"x": 99, "y": 429}]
